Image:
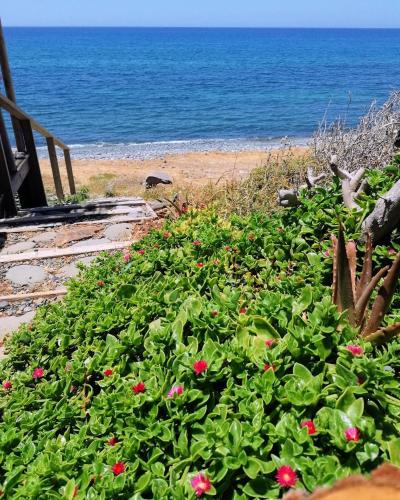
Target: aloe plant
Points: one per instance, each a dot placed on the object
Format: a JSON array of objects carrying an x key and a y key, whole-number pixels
[{"x": 353, "y": 295}]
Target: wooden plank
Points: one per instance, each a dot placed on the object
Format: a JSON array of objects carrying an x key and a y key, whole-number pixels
[
  {"x": 31, "y": 193},
  {"x": 34, "y": 295},
  {"x": 6, "y": 145},
  {"x": 65, "y": 217},
  {"x": 51, "y": 253},
  {"x": 113, "y": 220},
  {"x": 70, "y": 172},
  {"x": 87, "y": 206},
  {"x": 9, "y": 88},
  {"x": 9, "y": 207},
  {"x": 54, "y": 167},
  {"x": 18, "y": 113}
]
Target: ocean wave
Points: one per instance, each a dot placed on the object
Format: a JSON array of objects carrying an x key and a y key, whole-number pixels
[{"x": 159, "y": 149}]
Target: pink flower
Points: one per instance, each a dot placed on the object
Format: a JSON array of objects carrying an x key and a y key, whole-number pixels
[
  {"x": 112, "y": 441},
  {"x": 127, "y": 257},
  {"x": 196, "y": 243},
  {"x": 138, "y": 388},
  {"x": 108, "y": 372},
  {"x": 200, "y": 366},
  {"x": 200, "y": 265},
  {"x": 327, "y": 252},
  {"x": 269, "y": 343},
  {"x": 392, "y": 251},
  {"x": 201, "y": 484},
  {"x": 243, "y": 310},
  {"x": 352, "y": 434},
  {"x": 217, "y": 262},
  {"x": 38, "y": 373},
  {"x": 310, "y": 427},
  {"x": 355, "y": 350},
  {"x": 286, "y": 476},
  {"x": 176, "y": 389},
  {"x": 141, "y": 251},
  {"x": 7, "y": 385},
  {"x": 118, "y": 468},
  {"x": 268, "y": 367}
]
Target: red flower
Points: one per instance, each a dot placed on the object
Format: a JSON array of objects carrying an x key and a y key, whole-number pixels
[
  {"x": 38, "y": 373},
  {"x": 112, "y": 441},
  {"x": 201, "y": 484},
  {"x": 167, "y": 234},
  {"x": 100, "y": 283},
  {"x": 141, "y": 251},
  {"x": 214, "y": 314},
  {"x": 200, "y": 264},
  {"x": 286, "y": 476},
  {"x": 138, "y": 388},
  {"x": 228, "y": 248},
  {"x": 352, "y": 434},
  {"x": 217, "y": 262},
  {"x": 243, "y": 310},
  {"x": 196, "y": 243},
  {"x": 310, "y": 427},
  {"x": 118, "y": 468},
  {"x": 200, "y": 366},
  {"x": 127, "y": 257},
  {"x": 7, "y": 385},
  {"x": 268, "y": 367},
  {"x": 176, "y": 389},
  {"x": 108, "y": 372},
  {"x": 355, "y": 350},
  {"x": 269, "y": 343}
]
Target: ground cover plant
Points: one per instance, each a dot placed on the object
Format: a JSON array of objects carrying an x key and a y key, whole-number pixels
[{"x": 210, "y": 360}]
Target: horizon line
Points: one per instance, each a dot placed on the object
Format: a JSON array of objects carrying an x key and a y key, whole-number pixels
[{"x": 208, "y": 27}]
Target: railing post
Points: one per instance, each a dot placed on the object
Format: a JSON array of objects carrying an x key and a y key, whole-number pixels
[
  {"x": 31, "y": 193},
  {"x": 9, "y": 88},
  {"x": 54, "y": 167},
  {"x": 6, "y": 145},
  {"x": 70, "y": 173},
  {"x": 8, "y": 206}
]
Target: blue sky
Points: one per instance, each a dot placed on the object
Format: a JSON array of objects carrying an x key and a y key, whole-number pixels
[{"x": 296, "y": 13}]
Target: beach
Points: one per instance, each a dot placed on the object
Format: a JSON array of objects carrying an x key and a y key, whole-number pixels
[{"x": 126, "y": 176}]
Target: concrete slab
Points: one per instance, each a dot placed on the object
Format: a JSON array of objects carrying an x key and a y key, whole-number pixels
[
  {"x": 26, "y": 274},
  {"x": 22, "y": 246}
]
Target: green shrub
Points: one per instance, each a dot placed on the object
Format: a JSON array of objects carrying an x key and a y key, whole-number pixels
[{"x": 122, "y": 408}]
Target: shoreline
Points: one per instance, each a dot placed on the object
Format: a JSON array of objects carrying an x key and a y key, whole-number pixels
[{"x": 193, "y": 169}]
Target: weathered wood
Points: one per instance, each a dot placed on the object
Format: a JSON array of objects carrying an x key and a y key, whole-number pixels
[
  {"x": 19, "y": 176},
  {"x": 70, "y": 173},
  {"x": 35, "y": 295},
  {"x": 31, "y": 193},
  {"x": 9, "y": 88},
  {"x": 51, "y": 253},
  {"x": 6, "y": 145},
  {"x": 8, "y": 206},
  {"x": 54, "y": 167}
]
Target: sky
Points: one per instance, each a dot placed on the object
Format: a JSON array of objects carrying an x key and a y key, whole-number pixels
[{"x": 207, "y": 13}]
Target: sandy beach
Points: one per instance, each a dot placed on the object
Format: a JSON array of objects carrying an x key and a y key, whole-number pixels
[{"x": 125, "y": 177}]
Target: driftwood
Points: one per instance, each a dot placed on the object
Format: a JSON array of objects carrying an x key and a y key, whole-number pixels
[
  {"x": 290, "y": 197},
  {"x": 353, "y": 184}
]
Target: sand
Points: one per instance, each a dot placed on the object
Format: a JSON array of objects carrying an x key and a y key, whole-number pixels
[{"x": 125, "y": 177}]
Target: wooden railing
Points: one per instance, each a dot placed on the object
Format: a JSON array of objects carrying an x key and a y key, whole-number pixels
[{"x": 20, "y": 172}]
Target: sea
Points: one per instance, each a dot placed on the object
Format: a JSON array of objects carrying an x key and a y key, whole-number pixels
[{"x": 146, "y": 92}]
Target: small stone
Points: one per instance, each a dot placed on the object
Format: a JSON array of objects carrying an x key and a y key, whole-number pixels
[
  {"x": 10, "y": 323},
  {"x": 118, "y": 232},
  {"x": 75, "y": 234},
  {"x": 157, "y": 178},
  {"x": 91, "y": 242},
  {"x": 71, "y": 270},
  {"x": 26, "y": 274},
  {"x": 22, "y": 246},
  {"x": 44, "y": 237}
]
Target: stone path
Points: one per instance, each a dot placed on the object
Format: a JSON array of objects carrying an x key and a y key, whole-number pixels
[{"x": 42, "y": 275}]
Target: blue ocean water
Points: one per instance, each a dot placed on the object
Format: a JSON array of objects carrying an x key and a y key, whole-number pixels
[{"x": 116, "y": 92}]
